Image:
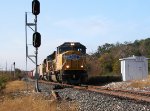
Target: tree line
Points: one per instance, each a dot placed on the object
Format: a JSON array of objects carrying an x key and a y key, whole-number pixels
[{"x": 105, "y": 60}]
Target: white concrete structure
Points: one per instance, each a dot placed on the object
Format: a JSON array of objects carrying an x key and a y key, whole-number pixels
[{"x": 134, "y": 68}]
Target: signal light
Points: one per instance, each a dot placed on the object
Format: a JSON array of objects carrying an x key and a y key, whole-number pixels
[
  {"x": 36, "y": 39},
  {"x": 35, "y": 7}
]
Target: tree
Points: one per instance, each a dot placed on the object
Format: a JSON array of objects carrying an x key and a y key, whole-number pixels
[
  {"x": 105, "y": 48},
  {"x": 116, "y": 67},
  {"x": 108, "y": 55},
  {"x": 106, "y": 63},
  {"x": 19, "y": 73}
]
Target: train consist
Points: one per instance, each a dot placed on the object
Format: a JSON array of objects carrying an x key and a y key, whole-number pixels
[{"x": 66, "y": 65}]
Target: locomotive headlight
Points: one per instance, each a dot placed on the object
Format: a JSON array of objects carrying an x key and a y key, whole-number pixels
[
  {"x": 81, "y": 66},
  {"x": 67, "y": 66}
]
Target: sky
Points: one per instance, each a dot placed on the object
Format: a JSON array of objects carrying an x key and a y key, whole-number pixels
[{"x": 90, "y": 22}]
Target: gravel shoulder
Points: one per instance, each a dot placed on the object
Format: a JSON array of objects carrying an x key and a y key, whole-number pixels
[{"x": 134, "y": 85}]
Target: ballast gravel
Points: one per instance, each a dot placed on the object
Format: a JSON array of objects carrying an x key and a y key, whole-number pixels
[{"x": 92, "y": 101}]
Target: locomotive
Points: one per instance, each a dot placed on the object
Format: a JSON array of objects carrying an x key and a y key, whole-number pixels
[{"x": 66, "y": 65}]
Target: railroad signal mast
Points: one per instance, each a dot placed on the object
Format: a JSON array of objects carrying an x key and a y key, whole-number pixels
[{"x": 36, "y": 39}]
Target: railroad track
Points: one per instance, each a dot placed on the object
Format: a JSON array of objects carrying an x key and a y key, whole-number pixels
[
  {"x": 133, "y": 95},
  {"x": 125, "y": 94}
]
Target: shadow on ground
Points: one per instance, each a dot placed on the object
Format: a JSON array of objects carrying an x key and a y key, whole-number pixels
[{"x": 102, "y": 80}]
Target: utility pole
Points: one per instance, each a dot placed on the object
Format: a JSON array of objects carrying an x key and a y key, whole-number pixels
[
  {"x": 6, "y": 66},
  {"x": 1, "y": 69},
  {"x": 14, "y": 70}
]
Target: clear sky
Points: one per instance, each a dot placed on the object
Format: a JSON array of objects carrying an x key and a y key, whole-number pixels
[{"x": 91, "y": 22}]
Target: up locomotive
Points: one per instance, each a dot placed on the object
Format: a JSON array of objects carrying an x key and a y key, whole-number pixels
[{"x": 66, "y": 65}]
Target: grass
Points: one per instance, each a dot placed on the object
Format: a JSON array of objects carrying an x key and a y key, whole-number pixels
[
  {"x": 8, "y": 76},
  {"x": 15, "y": 98},
  {"x": 141, "y": 83},
  {"x": 15, "y": 86},
  {"x": 28, "y": 104},
  {"x": 32, "y": 104}
]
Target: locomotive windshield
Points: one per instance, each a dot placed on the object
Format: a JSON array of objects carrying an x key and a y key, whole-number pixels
[{"x": 71, "y": 46}]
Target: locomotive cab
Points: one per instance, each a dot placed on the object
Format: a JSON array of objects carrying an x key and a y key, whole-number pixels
[
  {"x": 68, "y": 46},
  {"x": 71, "y": 63}
]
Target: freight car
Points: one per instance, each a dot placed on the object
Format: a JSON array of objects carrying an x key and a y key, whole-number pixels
[{"x": 67, "y": 64}]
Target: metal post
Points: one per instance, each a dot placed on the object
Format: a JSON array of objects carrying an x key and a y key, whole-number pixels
[
  {"x": 35, "y": 11},
  {"x": 6, "y": 66},
  {"x": 11, "y": 70},
  {"x": 26, "y": 39},
  {"x": 36, "y": 53},
  {"x": 14, "y": 70}
]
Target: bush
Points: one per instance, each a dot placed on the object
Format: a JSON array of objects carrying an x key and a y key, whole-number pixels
[
  {"x": 3, "y": 81},
  {"x": 4, "y": 78}
]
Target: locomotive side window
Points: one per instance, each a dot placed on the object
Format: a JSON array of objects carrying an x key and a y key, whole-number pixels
[
  {"x": 83, "y": 50},
  {"x": 79, "y": 49}
]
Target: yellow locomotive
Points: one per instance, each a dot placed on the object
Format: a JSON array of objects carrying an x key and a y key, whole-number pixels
[{"x": 67, "y": 64}]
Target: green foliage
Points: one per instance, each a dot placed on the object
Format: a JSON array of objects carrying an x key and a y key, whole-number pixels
[
  {"x": 108, "y": 55},
  {"x": 3, "y": 80},
  {"x": 18, "y": 74},
  {"x": 106, "y": 63},
  {"x": 116, "y": 67},
  {"x": 106, "y": 48},
  {"x": 9, "y": 76}
]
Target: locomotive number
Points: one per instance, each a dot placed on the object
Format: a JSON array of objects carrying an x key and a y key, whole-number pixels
[{"x": 72, "y": 57}]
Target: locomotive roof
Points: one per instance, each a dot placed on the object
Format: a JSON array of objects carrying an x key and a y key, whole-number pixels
[
  {"x": 51, "y": 56},
  {"x": 68, "y": 44}
]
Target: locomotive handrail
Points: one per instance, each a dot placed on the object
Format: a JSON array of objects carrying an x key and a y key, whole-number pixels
[{"x": 63, "y": 64}]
